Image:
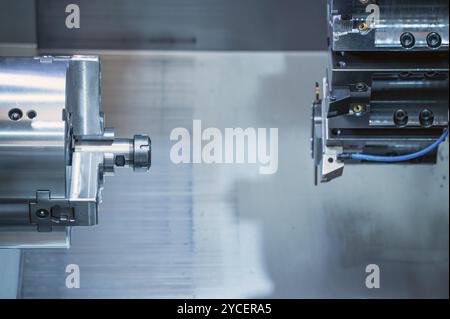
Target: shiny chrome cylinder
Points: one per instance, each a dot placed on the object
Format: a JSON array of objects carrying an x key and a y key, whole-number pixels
[
  {"x": 33, "y": 144},
  {"x": 119, "y": 152},
  {"x": 116, "y": 152},
  {"x": 83, "y": 91}
]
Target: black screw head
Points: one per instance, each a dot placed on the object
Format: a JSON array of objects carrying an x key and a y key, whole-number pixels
[
  {"x": 361, "y": 87},
  {"x": 407, "y": 40},
  {"x": 400, "y": 117},
  {"x": 434, "y": 40},
  {"x": 15, "y": 114},
  {"x": 426, "y": 118},
  {"x": 42, "y": 213}
]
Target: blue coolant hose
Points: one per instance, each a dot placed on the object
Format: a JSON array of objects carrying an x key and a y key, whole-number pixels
[{"x": 400, "y": 158}]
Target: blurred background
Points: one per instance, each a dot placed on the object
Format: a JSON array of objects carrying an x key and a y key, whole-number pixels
[{"x": 224, "y": 231}]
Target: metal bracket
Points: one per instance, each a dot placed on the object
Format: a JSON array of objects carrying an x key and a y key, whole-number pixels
[{"x": 45, "y": 212}]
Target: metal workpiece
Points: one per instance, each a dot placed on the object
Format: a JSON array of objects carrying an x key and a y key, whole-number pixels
[
  {"x": 117, "y": 152},
  {"x": 54, "y": 148},
  {"x": 385, "y": 96}
]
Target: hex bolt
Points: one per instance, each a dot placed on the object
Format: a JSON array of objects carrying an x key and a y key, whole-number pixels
[
  {"x": 426, "y": 118},
  {"x": 400, "y": 117},
  {"x": 42, "y": 213},
  {"x": 407, "y": 40},
  {"x": 434, "y": 40}
]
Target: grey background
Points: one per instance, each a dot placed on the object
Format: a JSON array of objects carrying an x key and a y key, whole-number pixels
[
  {"x": 186, "y": 24},
  {"x": 17, "y": 21},
  {"x": 219, "y": 231},
  {"x": 272, "y": 25}
]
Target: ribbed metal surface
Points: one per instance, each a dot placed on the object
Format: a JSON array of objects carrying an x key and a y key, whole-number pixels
[{"x": 225, "y": 231}]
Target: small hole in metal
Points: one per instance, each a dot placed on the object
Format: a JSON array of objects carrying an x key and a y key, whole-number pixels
[{"x": 31, "y": 114}]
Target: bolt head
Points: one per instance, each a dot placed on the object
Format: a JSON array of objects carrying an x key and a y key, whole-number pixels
[{"x": 42, "y": 213}]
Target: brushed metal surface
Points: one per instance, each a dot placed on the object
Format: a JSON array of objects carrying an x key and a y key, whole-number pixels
[{"x": 225, "y": 231}]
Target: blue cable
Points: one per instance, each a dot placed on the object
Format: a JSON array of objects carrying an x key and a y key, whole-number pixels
[{"x": 400, "y": 158}]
